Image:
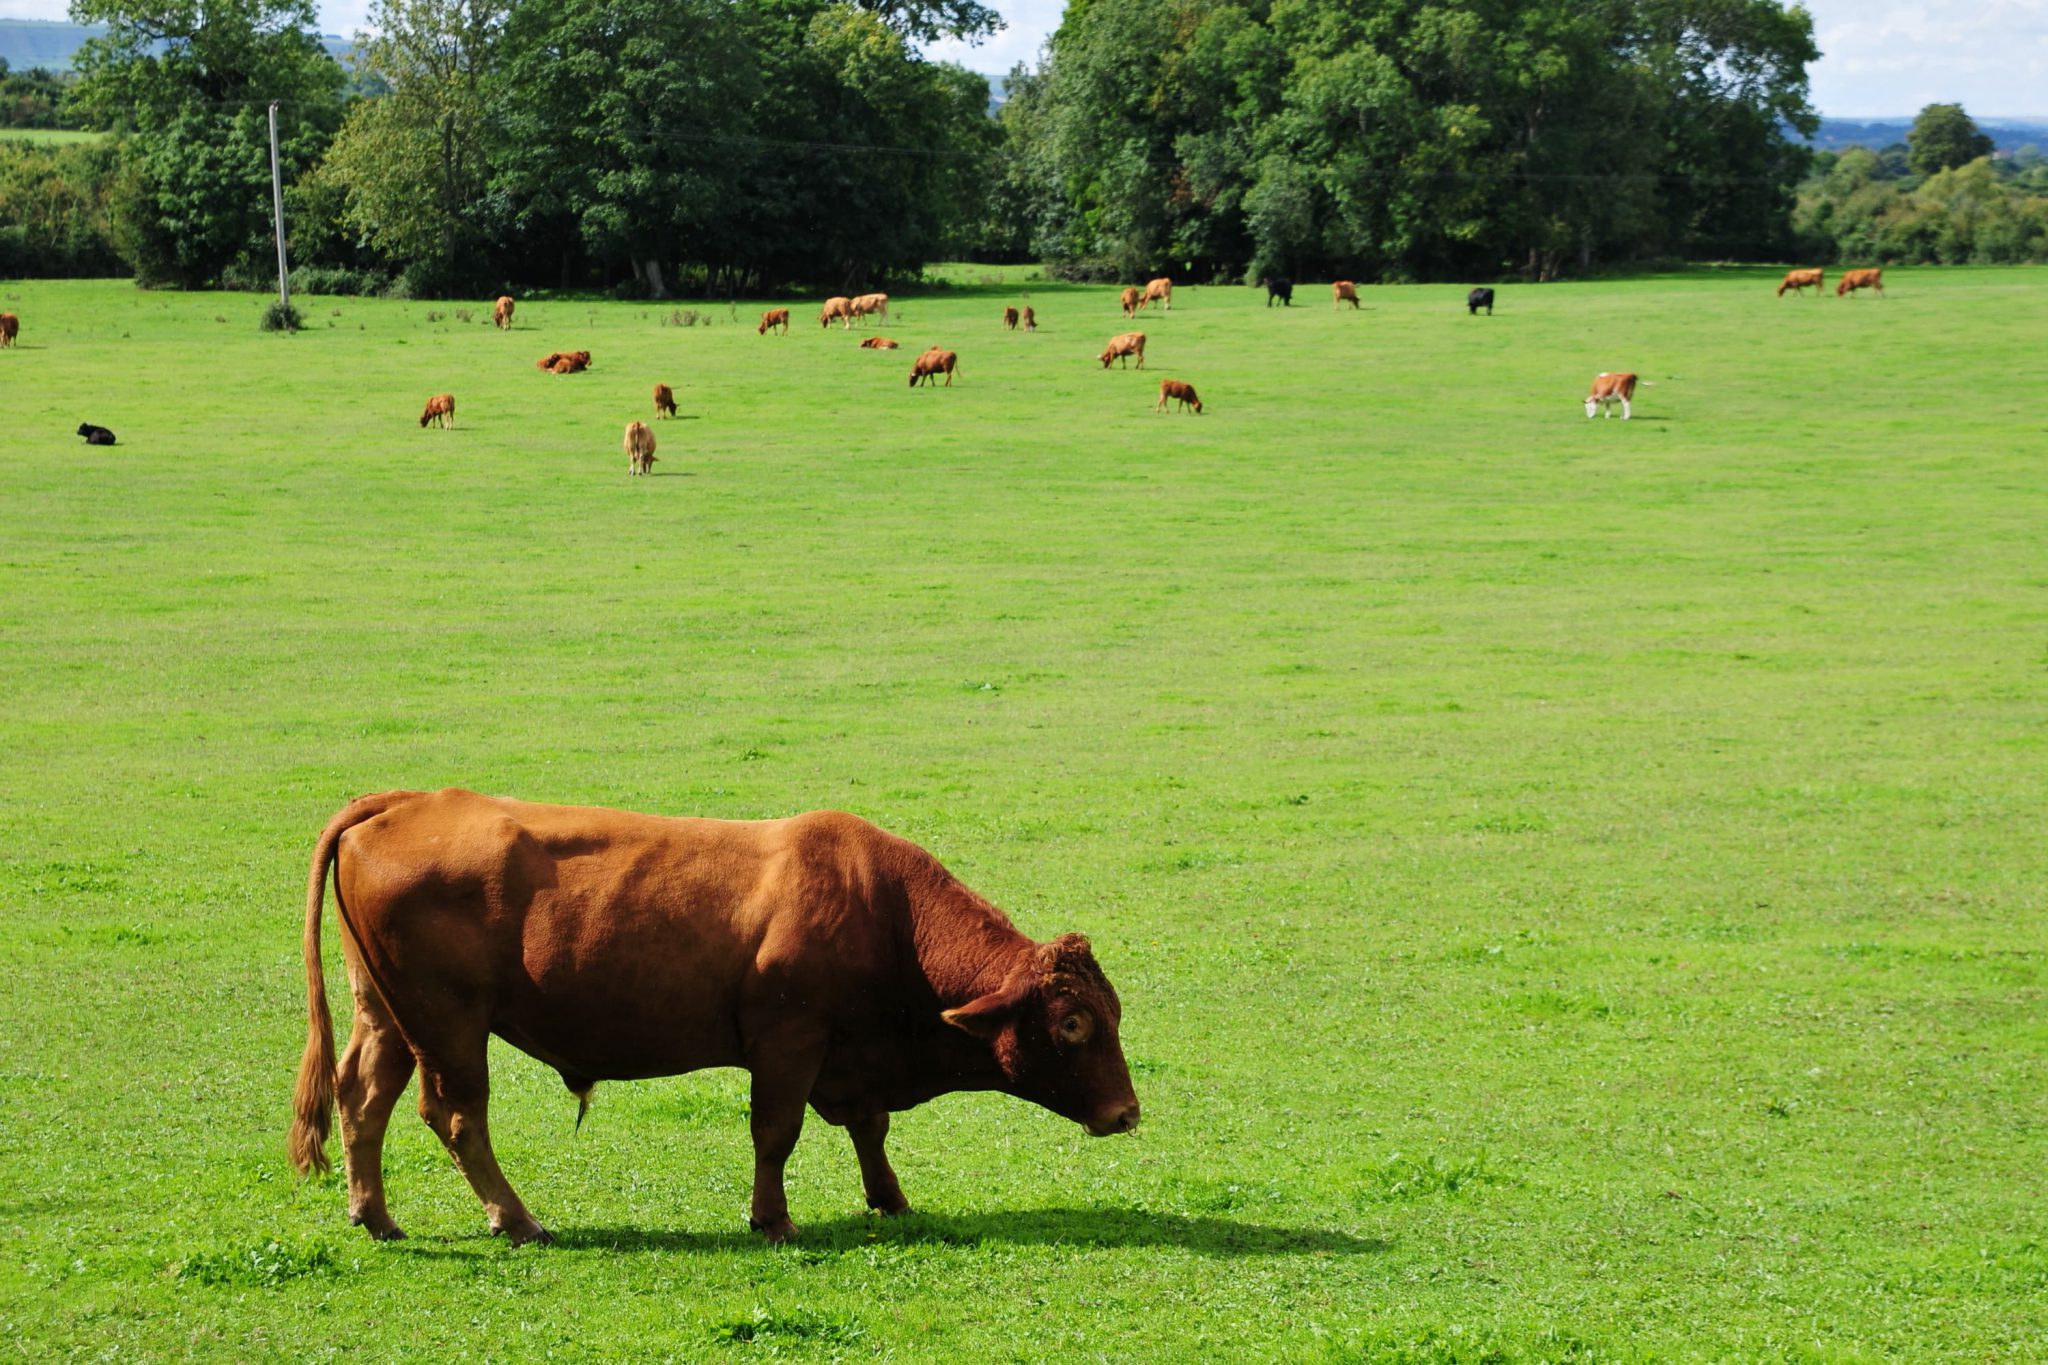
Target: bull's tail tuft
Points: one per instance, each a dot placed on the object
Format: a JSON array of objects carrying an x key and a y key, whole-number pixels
[{"x": 313, "y": 1100}]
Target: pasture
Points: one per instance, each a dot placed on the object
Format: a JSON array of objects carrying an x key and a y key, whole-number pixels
[{"x": 1576, "y": 886}]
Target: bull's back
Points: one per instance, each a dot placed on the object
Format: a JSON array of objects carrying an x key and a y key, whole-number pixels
[{"x": 606, "y": 942}]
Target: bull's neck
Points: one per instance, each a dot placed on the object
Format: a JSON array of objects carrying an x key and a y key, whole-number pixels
[{"x": 965, "y": 946}]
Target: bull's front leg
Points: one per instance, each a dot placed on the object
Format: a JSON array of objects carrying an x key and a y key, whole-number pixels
[
  {"x": 783, "y": 1076},
  {"x": 877, "y": 1179}
]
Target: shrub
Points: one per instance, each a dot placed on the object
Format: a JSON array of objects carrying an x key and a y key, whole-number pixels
[{"x": 281, "y": 317}]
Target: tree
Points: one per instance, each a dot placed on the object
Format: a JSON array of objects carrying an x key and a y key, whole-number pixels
[
  {"x": 1944, "y": 137},
  {"x": 412, "y": 163},
  {"x": 186, "y": 83}
]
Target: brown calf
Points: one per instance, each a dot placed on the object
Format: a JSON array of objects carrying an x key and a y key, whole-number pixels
[
  {"x": 1609, "y": 389},
  {"x": 1121, "y": 348},
  {"x": 1009, "y": 319},
  {"x": 931, "y": 364},
  {"x": 837, "y": 309},
  {"x": 1341, "y": 291},
  {"x": 1030, "y": 320},
  {"x": 501, "y": 312},
  {"x": 1174, "y": 388},
  {"x": 1853, "y": 280},
  {"x": 1130, "y": 302},
  {"x": 10, "y": 327},
  {"x": 877, "y": 344},
  {"x": 774, "y": 317},
  {"x": 639, "y": 447},
  {"x": 1797, "y": 280},
  {"x": 1159, "y": 291},
  {"x": 664, "y": 401},
  {"x": 441, "y": 406}
]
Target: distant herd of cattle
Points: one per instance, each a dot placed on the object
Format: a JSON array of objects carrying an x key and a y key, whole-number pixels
[{"x": 1608, "y": 389}]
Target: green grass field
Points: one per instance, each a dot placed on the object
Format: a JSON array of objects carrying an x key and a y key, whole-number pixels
[
  {"x": 1576, "y": 887},
  {"x": 48, "y": 136}
]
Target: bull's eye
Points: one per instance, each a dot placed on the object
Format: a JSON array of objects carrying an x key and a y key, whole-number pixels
[{"x": 1075, "y": 1028}]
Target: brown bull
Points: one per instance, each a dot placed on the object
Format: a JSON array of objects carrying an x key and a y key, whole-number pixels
[
  {"x": 1120, "y": 348},
  {"x": 844, "y": 967},
  {"x": 933, "y": 363},
  {"x": 1798, "y": 280}
]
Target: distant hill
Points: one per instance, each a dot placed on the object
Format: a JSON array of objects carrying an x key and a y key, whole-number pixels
[
  {"x": 1838, "y": 133},
  {"x": 43, "y": 42}
]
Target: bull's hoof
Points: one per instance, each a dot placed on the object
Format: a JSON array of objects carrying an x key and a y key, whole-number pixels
[
  {"x": 379, "y": 1226},
  {"x": 776, "y": 1230},
  {"x": 530, "y": 1232},
  {"x": 394, "y": 1233},
  {"x": 889, "y": 1208}
]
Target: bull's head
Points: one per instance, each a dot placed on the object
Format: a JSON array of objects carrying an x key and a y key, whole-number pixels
[{"x": 1053, "y": 1029}]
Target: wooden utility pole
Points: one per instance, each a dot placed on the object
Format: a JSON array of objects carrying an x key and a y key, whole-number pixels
[{"x": 284, "y": 286}]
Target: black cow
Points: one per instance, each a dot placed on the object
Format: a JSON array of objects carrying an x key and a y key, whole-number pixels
[
  {"x": 1478, "y": 299},
  {"x": 95, "y": 436},
  {"x": 1281, "y": 288}
]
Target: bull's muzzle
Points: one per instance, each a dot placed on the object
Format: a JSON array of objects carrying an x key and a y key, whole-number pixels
[{"x": 1120, "y": 1119}]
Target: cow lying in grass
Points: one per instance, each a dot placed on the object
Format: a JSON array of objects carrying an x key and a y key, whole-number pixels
[
  {"x": 877, "y": 344},
  {"x": 565, "y": 362}
]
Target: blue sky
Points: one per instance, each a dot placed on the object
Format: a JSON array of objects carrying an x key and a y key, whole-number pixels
[{"x": 1878, "y": 56}]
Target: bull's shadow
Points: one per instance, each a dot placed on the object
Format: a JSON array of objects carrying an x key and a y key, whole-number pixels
[{"x": 1076, "y": 1227}]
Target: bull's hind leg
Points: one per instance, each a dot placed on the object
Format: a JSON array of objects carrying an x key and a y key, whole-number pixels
[
  {"x": 455, "y": 1090},
  {"x": 372, "y": 1075},
  {"x": 877, "y": 1177}
]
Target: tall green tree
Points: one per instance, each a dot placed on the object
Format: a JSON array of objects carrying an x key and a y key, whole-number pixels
[
  {"x": 186, "y": 83},
  {"x": 1944, "y": 137}
]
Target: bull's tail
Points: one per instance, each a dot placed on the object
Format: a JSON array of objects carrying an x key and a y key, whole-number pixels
[{"x": 313, "y": 1101}]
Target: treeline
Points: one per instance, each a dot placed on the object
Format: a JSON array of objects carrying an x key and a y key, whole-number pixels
[
  {"x": 722, "y": 144},
  {"x": 1405, "y": 139},
  {"x": 658, "y": 146},
  {"x": 1937, "y": 198},
  {"x": 32, "y": 98}
]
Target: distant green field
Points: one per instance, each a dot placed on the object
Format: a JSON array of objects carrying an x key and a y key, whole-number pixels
[
  {"x": 52, "y": 136},
  {"x": 1576, "y": 887}
]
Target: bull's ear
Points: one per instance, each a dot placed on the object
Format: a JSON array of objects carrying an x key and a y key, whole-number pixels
[{"x": 985, "y": 1016}]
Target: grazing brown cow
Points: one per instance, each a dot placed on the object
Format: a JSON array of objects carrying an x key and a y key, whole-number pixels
[
  {"x": 1159, "y": 291},
  {"x": 932, "y": 364},
  {"x": 1009, "y": 319},
  {"x": 837, "y": 309},
  {"x": 1609, "y": 389},
  {"x": 877, "y": 344},
  {"x": 1130, "y": 302},
  {"x": 639, "y": 448},
  {"x": 841, "y": 965},
  {"x": 774, "y": 317},
  {"x": 1798, "y": 280},
  {"x": 1030, "y": 319},
  {"x": 442, "y": 406},
  {"x": 866, "y": 304},
  {"x": 1341, "y": 291},
  {"x": 501, "y": 312},
  {"x": 1174, "y": 388},
  {"x": 664, "y": 401},
  {"x": 10, "y": 328},
  {"x": 1121, "y": 348},
  {"x": 1853, "y": 280}
]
